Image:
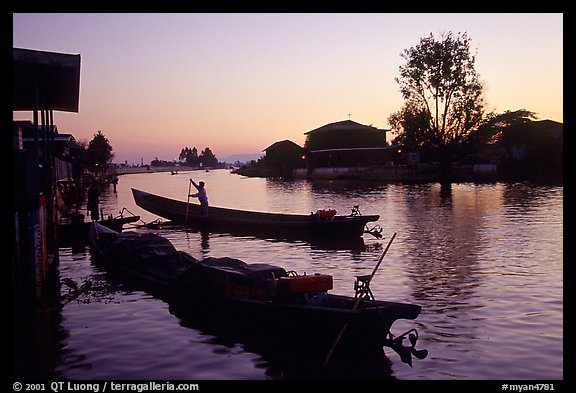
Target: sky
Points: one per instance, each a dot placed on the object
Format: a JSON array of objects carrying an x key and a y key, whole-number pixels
[{"x": 237, "y": 83}]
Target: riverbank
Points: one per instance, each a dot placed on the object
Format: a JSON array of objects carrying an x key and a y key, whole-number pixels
[
  {"x": 422, "y": 173},
  {"x": 405, "y": 174},
  {"x": 398, "y": 173},
  {"x": 154, "y": 169}
]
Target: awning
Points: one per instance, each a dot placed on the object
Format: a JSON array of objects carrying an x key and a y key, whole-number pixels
[{"x": 54, "y": 76}]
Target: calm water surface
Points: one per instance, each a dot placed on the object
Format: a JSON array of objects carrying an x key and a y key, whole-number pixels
[{"x": 485, "y": 262}]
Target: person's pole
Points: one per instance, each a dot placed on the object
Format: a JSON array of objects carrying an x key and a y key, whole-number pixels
[{"x": 187, "y": 203}]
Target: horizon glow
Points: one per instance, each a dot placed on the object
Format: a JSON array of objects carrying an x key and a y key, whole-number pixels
[{"x": 237, "y": 83}]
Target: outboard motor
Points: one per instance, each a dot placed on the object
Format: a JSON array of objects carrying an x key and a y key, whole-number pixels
[{"x": 406, "y": 352}]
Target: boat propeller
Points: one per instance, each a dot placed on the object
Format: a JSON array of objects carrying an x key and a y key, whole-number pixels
[
  {"x": 375, "y": 231},
  {"x": 406, "y": 352}
]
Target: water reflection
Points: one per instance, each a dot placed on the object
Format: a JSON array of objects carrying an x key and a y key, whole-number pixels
[
  {"x": 37, "y": 343},
  {"x": 443, "y": 240},
  {"x": 483, "y": 260},
  {"x": 355, "y": 245},
  {"x": 205, "y": 242},
  {"x": 445, "y": 194},
  {"x": 40, "y": 340},
  {"x": 283, "y": 361},
  {"x": 442, "y": 249}
]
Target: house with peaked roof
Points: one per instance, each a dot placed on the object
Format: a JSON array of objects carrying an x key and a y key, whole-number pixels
[
  {"x": 283, "y": 156},
  {"x": 284, "y": 151},
  {"x": 347, "y": 144},
  {"x": 534, "y": 135},
  {"x": 345, "y": 134},
  {"x": 534, "y": 149}
]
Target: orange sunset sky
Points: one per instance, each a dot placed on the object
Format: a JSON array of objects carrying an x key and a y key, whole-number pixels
[{"x": 156, "y": 83}]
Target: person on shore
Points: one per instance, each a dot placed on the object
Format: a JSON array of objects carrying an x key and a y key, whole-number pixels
[
  {"x": 94, "y": 201},
  {"x": 202, "y": 197},
  {"x": 115, "y": 181}
]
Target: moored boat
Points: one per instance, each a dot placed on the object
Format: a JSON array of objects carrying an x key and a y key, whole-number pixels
[
  {"x": 323, "y": 224},
  {"x": 260, "y": 302},
  {"x": 75, "y": 228}
]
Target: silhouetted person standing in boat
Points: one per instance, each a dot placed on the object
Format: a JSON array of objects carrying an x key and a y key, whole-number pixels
[
  {"x": 93, "y": 200},
  {"x": 202, "y": 197}
]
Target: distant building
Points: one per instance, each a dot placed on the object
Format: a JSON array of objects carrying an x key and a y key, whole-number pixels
[
  {"x": 347, "y": 143},
  {"x": 284, "y": 152},
  {"x": 345, "y": 134},
  {"x": 283, "y": 156},
  {"x": 67, "y": 152},
  {"x": 532, "y": 137},
  {"x": 534, "y": 149}
]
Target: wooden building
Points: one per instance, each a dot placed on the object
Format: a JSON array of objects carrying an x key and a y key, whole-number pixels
[
  {"x": 283, "y": 156},
  {"x": 347, "y": 143},
  {"x": 41, "y": 83},
  {"x": 284, "y": 152}
]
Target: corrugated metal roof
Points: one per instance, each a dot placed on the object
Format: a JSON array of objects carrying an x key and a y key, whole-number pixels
[
  {"x": 45, "y": 80},
  {"x": 344, "y": 125}
]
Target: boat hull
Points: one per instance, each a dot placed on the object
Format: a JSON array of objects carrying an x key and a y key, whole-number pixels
[
  {"x": 300, "y": 329},
  {"x": 252, "y": 222}
]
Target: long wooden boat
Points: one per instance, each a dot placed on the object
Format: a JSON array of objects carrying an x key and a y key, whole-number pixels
[
  {"x": 316, "y": 225},
  {"x": 78, "y": 229},
  {"x": 260, "y": 302}
]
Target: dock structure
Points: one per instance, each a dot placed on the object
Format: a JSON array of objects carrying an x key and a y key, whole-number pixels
[{"x": 43, "y": 82}]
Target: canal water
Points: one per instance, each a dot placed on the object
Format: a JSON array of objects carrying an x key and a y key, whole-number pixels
[{"x": 485, "y": 262}]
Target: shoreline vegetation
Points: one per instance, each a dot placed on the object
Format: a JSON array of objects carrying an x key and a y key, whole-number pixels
[{"x": 401, "y": 173}]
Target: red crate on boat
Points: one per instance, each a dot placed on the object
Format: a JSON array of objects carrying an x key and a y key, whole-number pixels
[
  {"x": 326, "y": 214},
  {"x": 302, "y": 284}
]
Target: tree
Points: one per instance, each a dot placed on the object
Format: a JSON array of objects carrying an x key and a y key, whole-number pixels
[
  {"x": 189, "y": 156},
  {"x": 183, "y": 154},
  {"x": 207, "y": 158},
  {"x": 99, "y": 153},
  {"x": 443, "y": 96}
]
